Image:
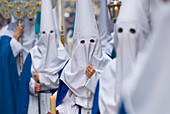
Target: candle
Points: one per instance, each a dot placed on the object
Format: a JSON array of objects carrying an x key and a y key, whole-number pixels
[
  {"x": 53, "y": 104},
  {"x": 116, "y": 11}
]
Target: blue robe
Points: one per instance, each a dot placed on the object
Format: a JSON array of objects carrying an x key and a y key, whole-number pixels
[
  {"x": 23, "y": 95},
  {"x": 9, "y": 79}
]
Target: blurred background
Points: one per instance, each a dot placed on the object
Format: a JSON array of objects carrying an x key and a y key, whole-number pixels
[
  {"x": 69, "y": 13},
  {"x": 69, "y": 18}
]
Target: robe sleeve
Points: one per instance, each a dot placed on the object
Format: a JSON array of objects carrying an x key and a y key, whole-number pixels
[
  {"x": 50, "y": 81},
  {"x": 16, "y": 46},
  {"x": 32, "y": 87},
  {"x": 91, "y": 82}
]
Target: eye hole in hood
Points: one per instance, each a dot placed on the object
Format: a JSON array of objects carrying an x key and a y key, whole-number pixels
[
  {"x": 120, "y": 30},
  {"x": 82, "y": 41},
  {"x": 133, "y": 31},
  {"x": 92, "y": 40}
]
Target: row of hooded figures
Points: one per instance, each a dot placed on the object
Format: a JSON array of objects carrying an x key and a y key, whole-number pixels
[{"x": 93, "y": 80}]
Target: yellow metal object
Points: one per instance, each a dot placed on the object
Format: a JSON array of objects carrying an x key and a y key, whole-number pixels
[
  {"x": 30, "y": 13},
  {"x": 62, "y": 35},
  {"x": 62, "y": 28},
  {"x": 26, "y": 6},
  {"x": 10, "y": 6},
  {"x": 19, "y": 3},
  {"x": 15, "y": 2},
  {"x": 5, "y": 2},
  {"x": 18, "y": 8},
  {"x": 34, "y": 9},
  {"x": 18, "y": 13},
  {"x": 0, "y": 3},
  {"x": 3, "y": 10},
  {"x": 31, "y": 2},
  {"x": 38, "y": 3}
]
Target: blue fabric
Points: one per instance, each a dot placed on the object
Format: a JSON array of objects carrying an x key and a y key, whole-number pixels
[
  {"x": 9, "y": 78},
  {"x": 95, "y": 108},
  {"x": 79, "y": 108},
  {"x": 113, "y": 54},
  {"x": 122, "y": 109},
  {"x": 62, "y": 88},
  {"x": 23, "y": 95},
  {"x": 62, "y": 91},
  {"x": 59, "y": 73}
]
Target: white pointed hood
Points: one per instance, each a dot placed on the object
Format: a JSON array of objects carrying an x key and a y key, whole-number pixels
[
  {"x": 47, "y": 19},
  {"x": 57, "y": 29},
  {"x": 105, "y": 24},
  {"x": 132, "y": 30},
  {"x": 88, "y": 52},
  {"x": 49, "y": 56},
  {"x": 129, "y": 31},
  {"x": 147, "y": 90}
]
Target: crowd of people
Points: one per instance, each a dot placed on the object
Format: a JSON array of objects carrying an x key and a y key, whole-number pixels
[{"x": 114, "y": 68}]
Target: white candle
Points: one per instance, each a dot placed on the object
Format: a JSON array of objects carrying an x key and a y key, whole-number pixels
[{"x": 53, "y": 104}]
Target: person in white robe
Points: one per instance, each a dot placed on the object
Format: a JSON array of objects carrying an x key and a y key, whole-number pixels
[
  {"x": 88, "y": 60},
  {"x": 147, "y": 89},
  {"x": 106, "y": 25},
  {"x": 28, "y": 37},
  {"x": 131, "y": 33},
  {"x": 48, "y": 59}
]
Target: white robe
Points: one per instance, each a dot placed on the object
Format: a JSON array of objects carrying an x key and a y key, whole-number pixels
[
  {"x": 48, "y": 74},
  {"x": 109, "y": 46},
  {"x": 48, "y": 58},
  {"x": 132, "y": 30},
  {"x": 90, "y": 52},
  {"x": 147, "y": 89},
  {"x": 68, "y": 105},
  {"x": 28, "y": 39}
]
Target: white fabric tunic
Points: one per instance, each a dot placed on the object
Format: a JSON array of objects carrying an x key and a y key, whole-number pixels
[
  {"x": 105, "y": 24},
  {"x": 82, "y": 88},
  {"x": 132, "y": 30},
  {"x": 48, "y": 58},
  {"x": 147, "y": 89}
]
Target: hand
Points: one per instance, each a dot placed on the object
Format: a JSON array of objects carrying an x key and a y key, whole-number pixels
[
  {"x": 49, "y": 112},
  {"x": 36, "y": 76},
  {"x": 18, "y": 32},
  {"x": 37, "y": 87},
  {"x": 90, "y": 71}
]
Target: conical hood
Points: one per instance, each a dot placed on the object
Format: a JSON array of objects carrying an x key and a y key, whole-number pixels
[
  {"x": 105, "y": 24},
  {"x": 87, "y": 44},
  {"x": 49, "y": 55},
  {"x": 137, "y": 11},
  {"x": 87, "y": 25},
  {"x": 47, "y": 20}
]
